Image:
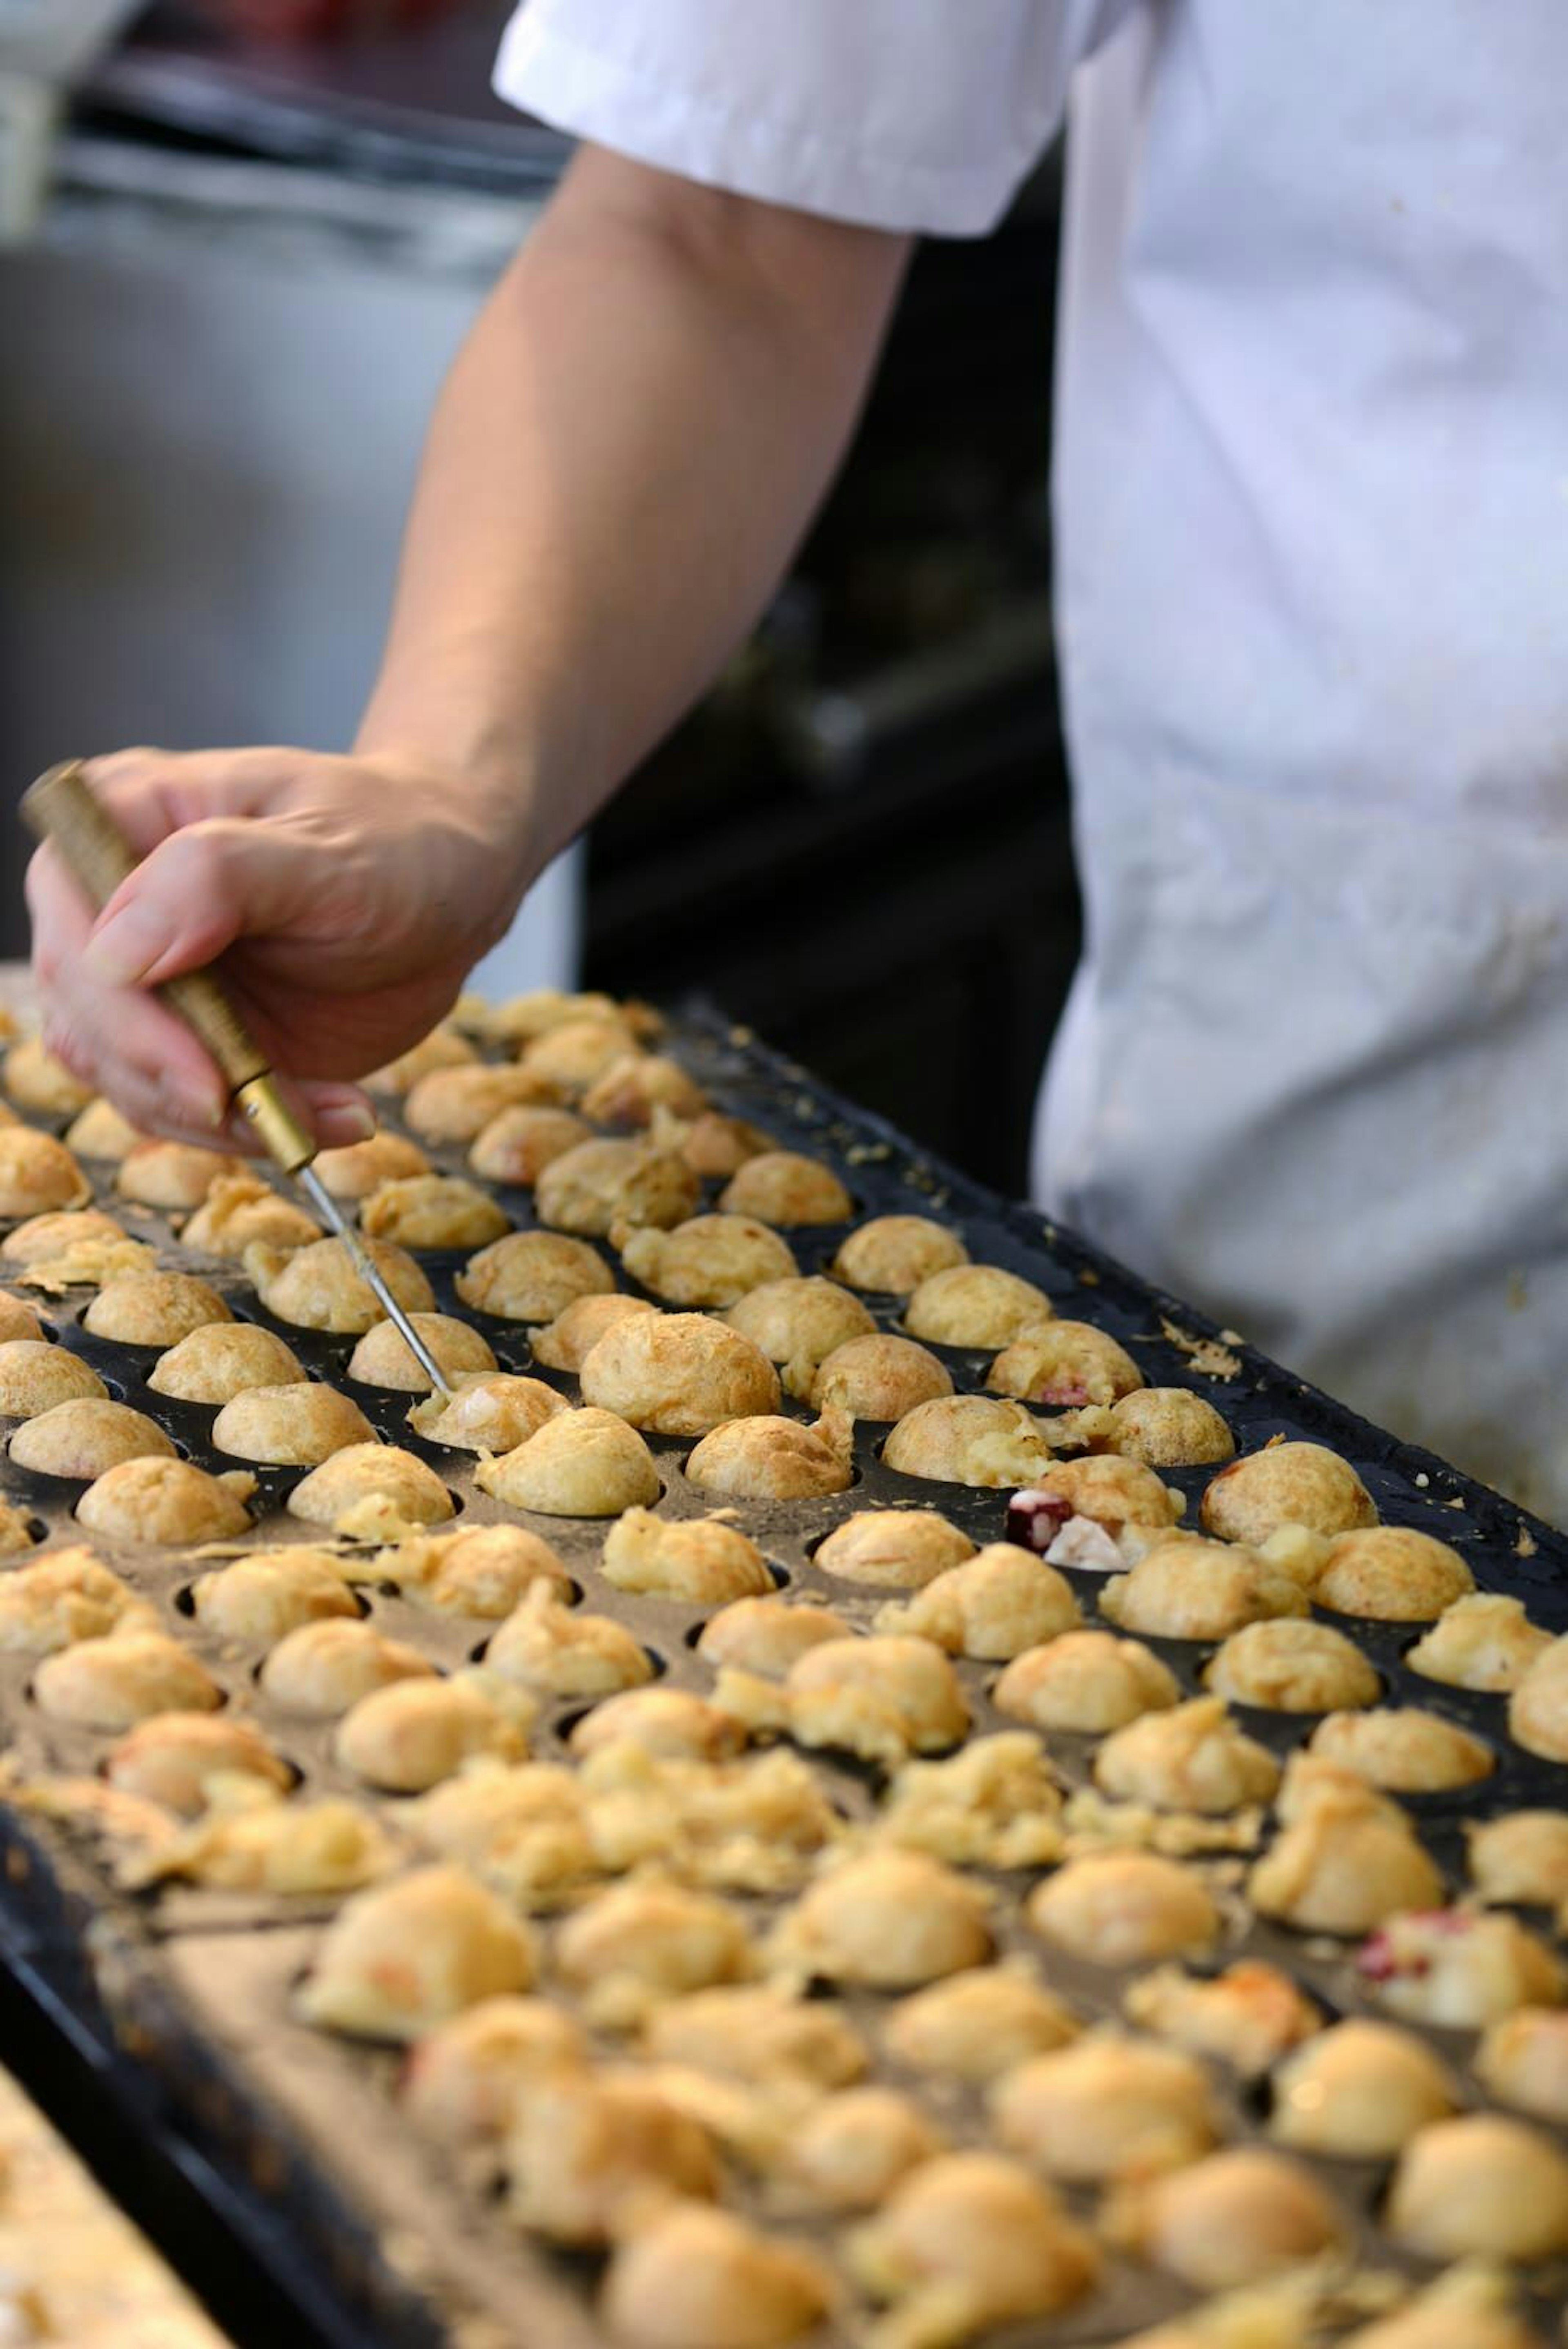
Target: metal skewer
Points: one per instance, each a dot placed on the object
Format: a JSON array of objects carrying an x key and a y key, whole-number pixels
[{"x": 62, "y": 806}]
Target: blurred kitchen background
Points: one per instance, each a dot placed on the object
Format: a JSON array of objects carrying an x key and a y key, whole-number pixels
[{"x": 238, "y": 246}]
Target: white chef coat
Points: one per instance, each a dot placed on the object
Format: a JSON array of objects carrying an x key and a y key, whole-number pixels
[{"x": 1312, "y": 499}]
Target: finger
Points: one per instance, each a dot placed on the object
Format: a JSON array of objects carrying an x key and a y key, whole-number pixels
[
  {"x": 197, "y": 891},
  {"x": 338, "y": 1115},
  {"x": 151, "y": 793},
  {"x": 143, "y": 1099}
]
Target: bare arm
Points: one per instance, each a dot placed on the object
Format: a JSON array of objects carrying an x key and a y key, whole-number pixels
[{"x": 628, "y": 449}]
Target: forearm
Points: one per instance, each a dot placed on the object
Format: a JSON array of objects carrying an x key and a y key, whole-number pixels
[{"x": 627, "y": 451}]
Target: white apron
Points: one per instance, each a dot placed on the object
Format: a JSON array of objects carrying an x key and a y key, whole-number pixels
[{"x": 1311, "y": 489}]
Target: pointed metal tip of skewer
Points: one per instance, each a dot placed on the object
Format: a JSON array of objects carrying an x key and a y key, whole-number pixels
[{"x": 370, "y": 1272}]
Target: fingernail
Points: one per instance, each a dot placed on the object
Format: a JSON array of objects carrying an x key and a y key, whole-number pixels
[
  {"x": 191, "y": 1105},
  {"x": 125, "y": 947}
]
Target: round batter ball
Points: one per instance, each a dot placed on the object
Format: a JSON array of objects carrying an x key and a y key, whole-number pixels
[
  {"x": 1459, "y": 1969},
  {"x": 81, "y": 1233},
  {"x": 443, "y": 1047},
  {"x": 222, "y": 1360},
  {"x": 1485, "y": 1642},
  {"x": 992, "y": 1607},
  {"x": 260, "y": 1598},
  {"x": 170, "y": 1174},
  {"x": 84, "y": 1437},
  {"x": 646, "y": 1940},
  {"x": 533, "y": 1275},
  {"x": 979, "y": 2025},
  {"x": 321, "y": 1669},
  {"x": 593, "y": 2155},
  {"x": 1522, "y": 2061},
  {"x": 35, "y": 1376},
  {"x": 1232, "y": 2219},
  {"x": 585, "y": 1464},
  {"x": 1359, "y": 2092},
  {"x": 1521, "y": 1858},
  {"x": 708, "y": 1262},
  {"x": 712, "y": 1145},
  {"x": 1248, "y": 2016},
  {"x": 890, "y": 1919},
  {"x": 1289, "y": 1666},
  {"x": 66, "y": 1596},
  {"x": 170, "y": 1502},
  {"x": 545, "y": 1646},
  {"x": 1480, "y": 2187},
  {"x": 601, "y": 1187},
  {"x": 894, "y": 1549},
  {"x": 1088, "y": 1682},
  {"x": 1344, "y": 1859},
  {"x": 480, "y": 1570},
  {"x": 490, "y": 1411},
  {"x": 432, "y": 1211},
  {"x": 1537, "y": 1711},
  {"x": 1286, "y": 1485},
  {"x": 784, "y": 1186},
  {"x": 878, "y": 1698},
  {"x": 973, "y": 2234},
  {"x": 1189, "y": 1757},
  {"x": 765, "y": 1636},
  {"x": 1111, "y": 1493},
  {"x": 1103, "y": 2106},
  {"x": 383, "y": 1358},
  {"x": 519, "y": 1143},
  {"x": 361, "y": 1167},
  {"x": 1199, "y": 1591},
  {"x": 700, "y": 1561},
  {"x": 848, "y": 2151},
  {"x": 36, "y": 1173},
  {"x": 573, "y": 1056},
  {"x": 317, "y": 1287},
  {"x": 17, "y": 1320},
  {"x": 679, "y": 1374},
  {"x": 770, "y": 1459},
  {"x": 672, "y": 1724},
  {"x": 112, "y": 1683},
  {"x": 800, "y": 1319},
  {"x": 566, "y": 1343},
  {"x": 407, "y": 1737},
  {"x": 1394, "y": 1573},
  {"x": 696, "y": 2274},
  {"x": 154, "y": 1309},
  {"x": 969, "y": 1439},
  {"x": 170, "y": 1758},
  {"x": 406, "y": 1955},
  {"x": 1170, "y": 1427},
  {"x": 1401, "y": 1747},
  {"x": 759, "y": 2033},
  {"x": 293, "y": 1426},
  {"x": 892, "y": 1255},
  {"x": 975, "y": 1305},
  {"x": 455, "y": 1104},
  {"x": 1125, "y": 1908},
  {"x": 877, "y": 1377},
  {"x": 242, "y": 1211},
  {"x": 632, "y": 1089},
  {"x": 463, "y": 2081},
  {"x": 1065, "y": 1365},
  {"x": 38, "y": 1079},
  {"x": 366, "y": 1487},
  {"x": 100, "y": 1131}
]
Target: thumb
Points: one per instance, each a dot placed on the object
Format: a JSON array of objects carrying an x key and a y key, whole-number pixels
[{"x": 204, "y": 886}]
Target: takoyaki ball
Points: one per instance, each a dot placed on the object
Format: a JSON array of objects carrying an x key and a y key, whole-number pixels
[
  {"x": 35, "y": 1376},
  {"x": 481, "y": 1570},
  {"x": 1480, "y": 2187},
  {"x": 261, "y": 1597},
  {"x": 1189, "y": 1757},
  {"x": 407, "y": 1738},
  {"x": 1486, "y": 1641},
  {"x": 66, "y": 1596},
  {"x": 700, "y": 1561},
  {"x": 432, "y": 1211},
  {"x": 877, "y": 1377},
  {"x": 38, "y": 1079},
  {"x": 1105, "y": 2107},
  {"x": 800, "y": 1319},
  {"x": 1112, "y": 1493},
  {"x": 114, "y": 1682},
  {"x": 321, "y": 1669},
  {"x": 601, "y": 1187},
  {"x": 596, "y": 2156},
  {"x": 1537, "y": 1711},
  {"x": 712, "y": 1145},
  {"x": 1392, "y": 1574},
  {"x": 566, "y": 1343},
  {"x": 992, "y": 1606},
  {"x": 84, "y": 1437},
  {"x": 978, "y": 2025},
  {"x": 1088, "y": 1682},
  {"x": 696, "y": 2274},
  {"x": 359, "y": 1168},
  {"x": 1459, "y": 1969},
  {"x": 1467, "y": 2307},
  {"x": 847, "y": 2152},
  {"x": 1521, "y": 1858},
  {"x": 1359, "y": 2092},
  {"x": 1065, "y": 1365},
  {"x": 242, "y": 1211},
  {"x": 171, "y": 1757},
  {"x": 154, "y": 1309},
  {"x": 888, "y": 1919},
  {"x": 520, "y": 1017},
  {"x": 892, "y": 1255},
  {"x": 679, "y": 1374},
  {"x": 669, "y": 1724},
  {"x": 585, "y": 1464},
  {"x": 100, "y": 1131},
  {"x": 533, "y": 1275},
  {"x": 759, "y": 2033},
  {"x": 645, "y": 1940},
  {"x": 463, "y": 2082},
  {"x": 1248, "y": 2016},
  {"x": 893, "y": 1550},
  {"x": 1230, "y": 2219},
  {"x": 969, "y": 1439},
  {"x": 974, "y": 1305},
  {"x": 456, "y": 1104},
  {"x": 766, "y": 1636},
  {"x": 518, "y": 1144},
  {"x": 571, "y": 1057},
  {"x": 170, "y": 1174},
  {"x": 708, "y": 1262},
  {"x": 17, "y": 1320},
  {"x": 170, "y": 1502},
  {"x": 443, "y": 1047},
  {"x": 406, "y": 1955},
  {"x": 1522, "y": 2061},
  {"x": 974, "y": 2240},
  {"x": 1199, "y": 1591},
  {"x": 1125, "y": 1908},
  {"x": 37, "y": 1174},
  {"x": 318, "y": 1288},
  {"x": 488, "y": 1411},
  {"x": 632, "y": 1088},
  {"x": 293, "y": 1426},
  {"x": 544, "y": 1645},
  {"x": 996, "y": 1803},
  {"x": 1344, "y": 1859},
  {"x": 768, "y": 1459},
  {"x": 222, "y": 1360},
  {"x": 1286, "y": 1485},
  {"x": 82, "y": 1235},
  {"x": 16, "y": 1528},
  {"x": 784, "y": 1186},
  {"x": 1170, "y": 1427},
  {"x": 383, "y": 1358},
  {"x": 1285, "y": 1665},
  {"x": 1403, "y": 1748},
  {"x": 371, "y": 1489},
  {"x": 881, "y": 1699}
]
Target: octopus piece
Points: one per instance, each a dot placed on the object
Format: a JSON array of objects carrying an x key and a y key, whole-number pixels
[
  {"x": 800, "y": 1320},
  {"x": 35, "y": 1376},
  {"x": 632, "y": 1089},
  {"x": 359, "y": 1168},
  {"x": 975, "y": 2241},
  {"x": 542, "y": 1645},
  {"x": 784, "y": 1186},
  {"x": 1168, "y": 1427},
  {"x": 1521, "y": 1857},
  {"x": 481, "y": 1570},
  {"x": 1480, "y": 2187},
  {"x": 1459, "y": 1969},
  {"x": 37, "y": 1174},
  {"x": 407, "y": 1737},
  {"x": 222, "y": 1360},
  {"x": 487, "y": 1412},
  {"x": 322, "y": 1669},
  {"x": 383, "y": 1358},
  {"x": 975, "y": 1305},
  {"x": 66, "y": 1596},
  {"x": 1345, "y": 1858},
  {"x": 1537, "y": 1709},
  {"x": 969, "y": 1439},
  {"x": 38, "y": 1079},
  {"x": 456, "y": 1104},
  {"x": 1522, "y": 2061},
  {"x": 888, "y": 1920},
  {"x": 1084, "y": 1680},
  {"x": 267, "y": 1593},
  {"x": 1248, "y": 2016},
  {"x": 699, "y": 1561},
  {"x": 892, "y": 1255},
  {"x": 296, "y": 1425},
  {"x": 170, "y": 1502},
  {"x": 583, "y": 1464},
  {"x": 679, "y": 1374},
  {"x": 370, "y": 1490},
  {"x": 1403, "y": 1748},
  {"x": 443, "y": 1047},
  {"x": 431, "y": 1211},
  {"x": 1484, "y": 1641},
  {"x": 242, "y": 1211},
  {"x": 571, "y": 1057},
  {"x": 519, "y": 1143},
  {"x": 1103, "y": 1492},
  {"x": 979, "y": 2025},
  {"x": 1104, "y": 2107},
  {"x": 566, "y": 1343},
  {"x": 992, "y": 1606},
  {"x": 17, "y": 1320},
  {"x": 599, "y": 1186},
  {"x": 772, "y": 1459},
  {"x": 82, "y": 1438},
  {"x": 761, "y": 2032},
  {"x": 877, "y": 1377},
  {"x": 1359, "y": 2092},
  {"x": 464, "y": 2080},
  {"x": 1394, "y": 1573},
  {"x": 533, "y": 1275},
  {"x": 404, "y": 1956},
  {"x": 174, "y": 1175},
  {"x": 1065, "y": 1365},
  {"x": 1199, "y": 1591},
  {"x": 708, "y": 1262},
  {"x": 1469, "y": 2307},
  {"x": 893, "y": 1550},
  {"x": 763, "y": 1637},
  {"x": 1286, "y": 1484},
  {"x": 317, "y": 1287},
  {"x": 635, "y": 1944},
  {"x": 848, "y": 2151},
  {"x": 113, "y": 1682},
  {"x": 995, "y": 1804},
  {"x": 1189, "y": 1757},
  {"x": 592, "y": 2155},
  {"x": 154, "y": 1309},
  {"x": 1233, "y": 2219},
  {"x": 664, "y": 1721},
  {"x": 1285, "y": 1665},
  {"x": 100, "y": 1131},
  {"x": 172, "y": 1758},
  {"x": 1125, "y": 1908},
  {"x": 881, "y": 1699}
]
